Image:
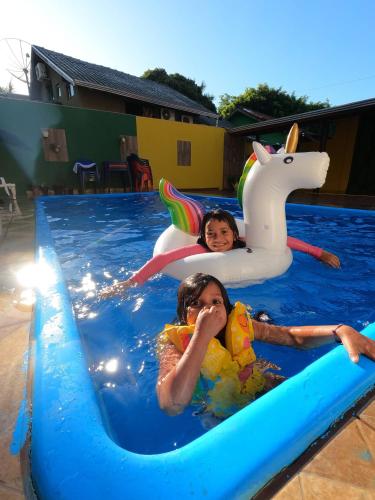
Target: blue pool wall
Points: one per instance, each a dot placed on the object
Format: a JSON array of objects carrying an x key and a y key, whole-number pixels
[{"x": 73, "y": 456}]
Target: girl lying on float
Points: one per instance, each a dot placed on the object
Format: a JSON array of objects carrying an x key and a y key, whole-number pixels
[{"x": 237, "y": 251}]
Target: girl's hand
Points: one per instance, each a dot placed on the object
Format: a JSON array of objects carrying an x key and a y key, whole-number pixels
[
  {"x": 117, "y": 289},
  {"x": 355, "y": 343},
  {"x": 330, "y": 259},
  {"x": 211, "y": 320}
]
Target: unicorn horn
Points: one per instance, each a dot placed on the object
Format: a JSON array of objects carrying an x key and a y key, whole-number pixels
[{"x": 292, "y": 139}]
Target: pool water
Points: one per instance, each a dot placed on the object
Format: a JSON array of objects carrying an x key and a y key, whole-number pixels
[{"x": 102, "y": 238}]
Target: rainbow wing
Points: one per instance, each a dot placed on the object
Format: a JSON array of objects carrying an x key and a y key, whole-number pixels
[
  {"x": 249, "y": 163},
  {"x": 186, "y": 214}
]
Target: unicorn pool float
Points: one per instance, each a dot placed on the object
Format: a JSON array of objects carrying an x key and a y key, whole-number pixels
[{"x": 265, "y": 184}]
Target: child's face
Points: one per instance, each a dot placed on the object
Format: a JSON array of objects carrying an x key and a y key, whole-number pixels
[
  {"x": 211, "y": 296},
  {"x": 218, "y": 235}
]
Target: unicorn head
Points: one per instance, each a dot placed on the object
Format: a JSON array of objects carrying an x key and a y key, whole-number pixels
[
  {"x": 306, "y": 170},
  {"x": 268, "y": 182},
  {"x": 264, "y": 186},
  {"x": 285, "y": 172}
]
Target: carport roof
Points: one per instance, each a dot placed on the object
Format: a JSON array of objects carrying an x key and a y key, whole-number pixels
[{"x": 320, "y": 114}]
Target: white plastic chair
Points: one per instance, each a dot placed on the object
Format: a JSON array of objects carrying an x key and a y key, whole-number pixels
[{"x": 10, "y": 190}]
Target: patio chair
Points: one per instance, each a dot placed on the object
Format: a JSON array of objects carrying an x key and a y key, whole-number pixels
[
  {"x": 116, "y": 167},
  {"x": 141, "y": 173},
  {"x": 10, "y": 190},
  {"x": 86, "y": 171}
]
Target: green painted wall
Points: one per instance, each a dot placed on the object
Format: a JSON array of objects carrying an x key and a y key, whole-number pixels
[
  {"x": 238, "y": 119},
  {"x": 90, "y": 134}
]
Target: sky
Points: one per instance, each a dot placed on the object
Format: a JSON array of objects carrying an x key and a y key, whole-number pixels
[{"x": 323, "y": 49}]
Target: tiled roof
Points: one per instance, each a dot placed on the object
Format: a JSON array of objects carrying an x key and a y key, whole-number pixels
[
  {"x": 250, "y": 112},
  {"x": 84, "y": 74}
]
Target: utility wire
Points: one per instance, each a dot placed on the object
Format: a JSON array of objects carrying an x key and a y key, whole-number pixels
[{"x": 341, "y": 83}]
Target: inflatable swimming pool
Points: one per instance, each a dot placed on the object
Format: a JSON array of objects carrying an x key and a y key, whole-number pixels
[{"x": 76, "y": 452}]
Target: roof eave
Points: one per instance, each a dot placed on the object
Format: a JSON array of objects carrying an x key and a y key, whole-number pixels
[
  {"x": 139, "y": 97},
  {"x": 53, "y": 66},
  {"x": 249, "y": 113}
]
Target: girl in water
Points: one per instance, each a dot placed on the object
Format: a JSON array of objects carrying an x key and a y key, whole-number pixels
[
  {"x": 207, "y": 357},
  {"x": 219, "y": 233}
]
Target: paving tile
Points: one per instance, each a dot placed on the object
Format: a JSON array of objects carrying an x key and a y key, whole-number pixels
[
  {"x": 315, "y": 487},
  {"x": 347, "y": 458},
  {"x": 291, "y": 491},
  {"x": 13, "y": 379},
  {"x": 10, "y": 493},
  {"x": 370, "y": 421},
  {"x": 16, "y": 250},
  {"x": 368, "y": 434},
  {"x": 369, "y": 411},
  {"x": 11, "y": 318}
]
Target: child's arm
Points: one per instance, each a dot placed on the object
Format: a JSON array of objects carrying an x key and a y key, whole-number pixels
[
  {"x": 312, "y": 336},
  {"x": 178, "y": 373},
  {"x": 153, "y": 266},
  {"x": 159, "y": 262},
  {"x": 320, "y": 254},
  {"x": 330, "y": 258}
]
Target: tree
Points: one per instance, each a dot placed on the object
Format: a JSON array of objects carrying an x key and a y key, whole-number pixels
[
  {"x": 6, "y": 90},
  {"x": 186, "y": 86},
  {"x": 271, "y": 101}
]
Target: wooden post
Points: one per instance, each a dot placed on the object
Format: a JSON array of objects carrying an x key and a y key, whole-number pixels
[{"x": 234, "y": 158}]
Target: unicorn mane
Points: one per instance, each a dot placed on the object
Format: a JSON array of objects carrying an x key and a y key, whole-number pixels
[{"x": 249, "y": 163}]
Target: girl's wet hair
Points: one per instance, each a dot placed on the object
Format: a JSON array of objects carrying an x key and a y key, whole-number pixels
[
  {"x": 220, "y": 215},
  {"x": 190, "y": 290}
]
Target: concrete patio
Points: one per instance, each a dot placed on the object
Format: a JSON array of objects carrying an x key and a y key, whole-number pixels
[{"x": 16, "y": 251}]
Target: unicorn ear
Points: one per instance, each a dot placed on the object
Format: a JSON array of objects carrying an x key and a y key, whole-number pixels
[{"x": 262, "y": 154}]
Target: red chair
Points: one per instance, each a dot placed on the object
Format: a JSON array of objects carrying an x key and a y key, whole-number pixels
[
  {"x": 141, "y": 173},
  {"x": 117, "y": 167}
]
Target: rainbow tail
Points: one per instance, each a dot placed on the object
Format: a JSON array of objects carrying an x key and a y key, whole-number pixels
[{"x": 186, "y": 214}]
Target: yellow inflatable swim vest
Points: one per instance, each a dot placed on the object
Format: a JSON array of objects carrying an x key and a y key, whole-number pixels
[{"x": 230, "y": 379}]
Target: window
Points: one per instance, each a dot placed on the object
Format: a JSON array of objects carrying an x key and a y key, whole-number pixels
[
  {"x": 49, "y": 89},
  {"x": 70, "y": 90},
  {"x": 57, "y": 92},
  {"x": 186, "y": 119},
  {"x": 183, "y": 153}
]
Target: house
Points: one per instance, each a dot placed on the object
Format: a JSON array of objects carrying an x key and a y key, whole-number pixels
[
  {"x": 57, "y": 78},
  {"x": 346, "y": 132},
  {"x": 245, "y": 116}
]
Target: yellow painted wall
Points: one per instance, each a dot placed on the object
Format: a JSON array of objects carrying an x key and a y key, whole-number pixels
[
  {"x": 340, "y": 150},
  {"x": 157, "y": 141}
]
